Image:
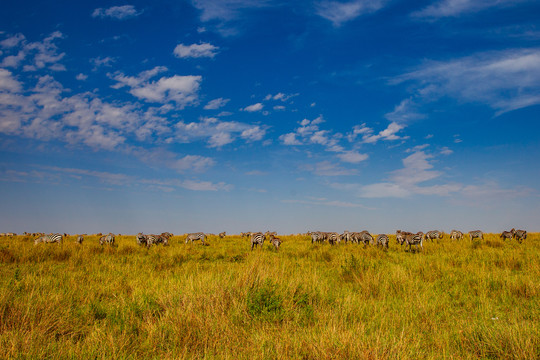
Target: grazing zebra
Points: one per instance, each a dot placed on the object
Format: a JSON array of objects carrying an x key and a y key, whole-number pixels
[
  {"x": 506, "y": 235},
  {"x": 346, "y": 236},
  {"x": 164, "y": 238},
  {"x": 332, "y": 238},
  {"x": 520, "y": 235},
  {"x": 275, "y": 241},
  {"x": 107, "y": 239},
  {"x": 49, "y": 239},
  {"x": 476, "y": 234},
  {"x": 366, "y": 237},
  {"x": 80, "y": 239},
  {"x": 383, "y": 240},
  {"x": 356, "y": 237},
  {"x": 196, "y": 236},
  {"x": 456, "y": 235},
  {"x": 414, "y": 239},
  {"x": 222, "y": 235},
  {"x": 434, "y": 234},
  {"x": 257, "y": 239},
  {"x": 400, "y": 236},
  {"x": 315, "y": 236}
]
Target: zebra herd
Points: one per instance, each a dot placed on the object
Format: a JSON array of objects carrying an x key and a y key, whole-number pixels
[{"x": 257, "y": 238}]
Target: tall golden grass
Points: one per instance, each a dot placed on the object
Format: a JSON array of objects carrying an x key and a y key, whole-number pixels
[{"x": 453, "y": 300}]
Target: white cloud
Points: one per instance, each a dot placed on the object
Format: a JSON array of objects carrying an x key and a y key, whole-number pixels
[
  {"x": 182, "y": 90},
  {"x": 81, "y": 77},
  {"x": 405, "y": 112},
  {"x": 216, "y": 104},
  {"x": 340, "y": 12},
  {"x": 503, "y": 80},
  {"x": 387, "y": 134},
  {"x": 218, "y": 133},
  {"x": 289, "y": 139},
  {"x": 450, "y": 8},
  {"x": 254, "y": 107},
  {"x": 34, "y": 55},
  {"x": 353, "y": 157},
  {"x": 116, "y": 12},
  {"x": 195, "y": 50}
]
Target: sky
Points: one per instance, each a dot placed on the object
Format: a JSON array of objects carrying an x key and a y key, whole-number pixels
[{"x": 290, "y": 116}]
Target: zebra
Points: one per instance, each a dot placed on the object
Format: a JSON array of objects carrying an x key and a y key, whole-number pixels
[
  {"x": 414, "y": 239},
  {"x": 49, "y": 239},
  {"x": 275, "y": 241},
  {"x": 434, "y": 234},
  {"x": 257, "y": 239},
  {"x": 476, "y": 234},
  {"x": 456, "y": 235},
  {"x": 400, "y": 236},
  {"x": 222, "y": 235},
  {"x": 80, "y": 239},
  {"x": 366, "y": 237},
  {"x": 107, "y": 239},
  {"x": 196, "y": 236},
  {"x": 356, "y": 237},
  {"x": 316, "y": 236},
  {"x": 141, "y": 239},
  {"x": 506, "y": 235},
  {"x": 332, "y": 238},
  {"x": 520, "y": 235},
  {"x": 346, "y": 236},
  {"x": 164, "y": 238},
  {"x": 383, "y": 240}
]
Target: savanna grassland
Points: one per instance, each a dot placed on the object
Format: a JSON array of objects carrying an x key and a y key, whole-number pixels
[{"x": 454, "y": 300}]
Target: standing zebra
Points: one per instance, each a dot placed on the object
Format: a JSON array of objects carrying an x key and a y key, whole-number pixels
[
  {"x": 476, "y": 234},
  {"x": 48, "y": 239},
  {"x": 80, "y": 239},
  {"x": 346, "y": 236},
  {"x": 456, "y": 235},
  {"x": 141, "y": 239},
  {"x": 257, "y": 239},
  {"x": 506, "y": 235},
  {"x": 275, "y": 241},
  {"x": 414, "y": 239},
  {"x": 383, "y": 240},
  {"x": 434, "y": 234},
  {"x": 520, "y": 235},
  {"x": 316, "y": 236},
  {"x": 400, "y": 236},
  {"x": 196, "y": 236},
  {"x": 107, "y": 239},
  {"x": 164, "y": 238}
]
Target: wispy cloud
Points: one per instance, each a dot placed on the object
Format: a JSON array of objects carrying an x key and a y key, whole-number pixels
[
  {"x": 216, "y": 104},
  {"x": 254, "y": 107},
  {"x": 341, "y": 12},
  {"x": 195, "y": 50},
  {"x": 503, "y": 80},
  {"x": 117, "y": 12},
  {"x": 454, "y": 8}
]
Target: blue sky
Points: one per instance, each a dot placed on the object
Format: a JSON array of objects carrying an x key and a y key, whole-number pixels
[{"x": 243, "y": 115}]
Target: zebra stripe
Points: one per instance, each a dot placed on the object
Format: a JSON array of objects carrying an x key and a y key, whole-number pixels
[
  {"x": 49, "y": 239},
  {"x": 275, "y": 241},
  {"x": 415, "y": 239},
  {"x": 196, "y": 236},
  {"x": 366, "y": 237},
  {"x": 257, "y": 239},
  {"x": 434, "y": 234},
  {"x": 80, "y": 239},
  {"x": 520, "y": 235},
  {"x": 456, "y": 235},
  {"x": 332, "y": 238},
  {"x": 506, "y": 235},
  {"x": 476, "y": 234},
  {"x": 107, "y": 239},
  {"x": 383, "y": 240},
  {"x": 346, "y": 236}
]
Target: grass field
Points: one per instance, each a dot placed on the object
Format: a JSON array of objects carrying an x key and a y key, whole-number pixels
[{"x": 454, "y": 300}]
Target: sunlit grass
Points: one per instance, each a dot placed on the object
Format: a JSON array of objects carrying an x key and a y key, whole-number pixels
[{"x": 458, "y": 300}]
